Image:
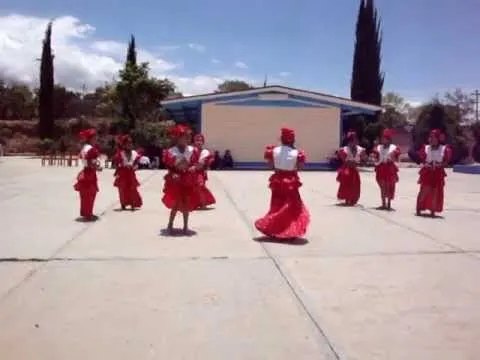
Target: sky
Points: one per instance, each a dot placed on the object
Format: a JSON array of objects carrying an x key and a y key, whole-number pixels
[{"x": 429, "y": 46}]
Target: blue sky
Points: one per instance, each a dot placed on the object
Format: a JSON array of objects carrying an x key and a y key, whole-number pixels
[{"x": 429, "y": 45}]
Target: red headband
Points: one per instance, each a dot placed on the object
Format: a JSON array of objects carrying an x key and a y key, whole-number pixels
[
  {"x": 123, "y": 139},
  {"x": 387, "y": 134},
  {"x": 438, "y": 134},
  {"x": 178, "y": 130},
  {"x": 87, "y": 134},
  {"x": 287, "y": 135}
]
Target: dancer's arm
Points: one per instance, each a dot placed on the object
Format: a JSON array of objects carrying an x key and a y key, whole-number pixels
[
  {"x": 268, "y": 156},
  {"x": 301, "y": 159}
]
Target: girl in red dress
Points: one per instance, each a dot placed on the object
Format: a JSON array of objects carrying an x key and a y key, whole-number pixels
[
  {"x": 86, "y": 184},
  {"x": 126, "y": 162},
  {"x": 386, "y": 155},
  {"x": 204, "y": 162},
  {"x": 287, "y": 218},
  {"x": 180, "y": 192},
  {"x": 347, "y": 175},
  {"x": 434, "y": 158}
]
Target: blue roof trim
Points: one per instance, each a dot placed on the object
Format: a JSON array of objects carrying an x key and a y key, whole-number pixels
[
  {"x": 270, "y": 103},
  {"x": 332, "y": 104},
  {"x": 239, "y": 97}
]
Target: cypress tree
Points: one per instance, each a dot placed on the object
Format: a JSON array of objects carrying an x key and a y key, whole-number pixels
[
  {"x": 132, "y": 52},
  {"x": 130, "y": 66},
  {"x": 45, "y": 96},
  {"x": 367, "y": 78}
]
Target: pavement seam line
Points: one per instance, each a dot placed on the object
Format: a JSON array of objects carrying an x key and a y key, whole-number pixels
[
  {"x": 287, "y": 280},
  {"x": 62, "y": 247},
  {"x": 455, "y": 249}
]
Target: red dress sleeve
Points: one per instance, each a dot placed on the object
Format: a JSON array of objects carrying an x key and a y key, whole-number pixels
[
  {"x": 268, "y": 155},
  {"x": 208, "y": 160},
  {"x": 117, "y": 158},
  {"x": 342, "y": 155},
  {"x": 302, "y": 157},
  {"x": 195, "y": 157},
  {"x": 422, "y": 154},
  {"x": 168, "y": 159},
  {"x": 396, "y": 154},
  {"x": 447, "y": 155},
  {"x": 92, "y": 154}
]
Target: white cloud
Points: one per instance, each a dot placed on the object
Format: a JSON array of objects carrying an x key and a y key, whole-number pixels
[
  {"x": 241, "y": 65},
  {"x": 414, "y": 103},
  {"x": 285, "y": 74},
  {"x": 80, "y": 57},
  {"x": 197, "y": 47},
  {"x": 216, "y": 61},
  {"x": 167, "y": 48}
]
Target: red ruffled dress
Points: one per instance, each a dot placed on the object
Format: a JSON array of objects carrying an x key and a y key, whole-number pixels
[
  {"x": 86, "y": 183},
  {"x": 206, "y": 160},
  {"x": 386, "y": 169},
  {"x": 432, "y": 177},
  {"x": 287, "y": 217},
  {"x": 348, "y": 175},
  {"x": 125, "y": 178},
  {"x": 180, "y": 190}
]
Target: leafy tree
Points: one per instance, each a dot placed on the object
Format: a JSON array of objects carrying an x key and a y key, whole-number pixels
[
  {"x": 367, "y": 78},
  {"x": 392, "y": 118},
  {"x": 462, "y": 101},
  {"x": 138, "y": 94},
  {"x": 444, "y": 117},
  {"x": 476, "y": 136},
  {"x": 152, "y": 134},
  {"x": 46, "y": 122},
  {"x": 16, "y": 101},
  {"x": 45, "y": 145},
  {"x": 233, "y": 85},
  {"x": 66, "y": 103},
  {"x": 372, "y": 133}
]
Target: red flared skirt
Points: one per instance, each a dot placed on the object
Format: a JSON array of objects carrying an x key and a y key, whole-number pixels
[
  {"x": 86, "y": 180},
  {"x": 127, "y": 183},
  {"x": 287, "y": 217},
  {"x": 432, "y": 184},
  {"x": 387, "y": 174},
  {"x": 205, "y": 195},
  {"x": 180, "y": 191},
  {"x": 349, "y": 184}
]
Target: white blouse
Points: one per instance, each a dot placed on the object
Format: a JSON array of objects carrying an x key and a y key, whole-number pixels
[
  {"x": 179, "y": 156},
  {"x": 285, "y": 158}
]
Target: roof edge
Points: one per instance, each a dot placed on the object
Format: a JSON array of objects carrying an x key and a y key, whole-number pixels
[{"x": 279, "y": 88}]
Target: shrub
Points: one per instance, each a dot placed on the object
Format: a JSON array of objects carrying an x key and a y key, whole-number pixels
[
  {"x": 44, "y": 146},
  {"x": 20, "y": 143}
]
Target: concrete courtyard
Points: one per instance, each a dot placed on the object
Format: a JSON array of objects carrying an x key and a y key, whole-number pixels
[{"x": 364, "y": 285}]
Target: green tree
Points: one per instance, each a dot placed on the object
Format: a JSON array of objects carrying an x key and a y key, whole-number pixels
[
  {"x": 132, "y": 51},
  {"x": 462, "y": 101},
  {"x": 396, "y": 111},
  {"x": 233, "y": 85},
  {"x": 138, "y": 94},
  {"x": 16, "y": 101},
  {"x": 367, "y": 78},
  {"x": 46, "y": 121},
  {"x": 446, "y": 118}
]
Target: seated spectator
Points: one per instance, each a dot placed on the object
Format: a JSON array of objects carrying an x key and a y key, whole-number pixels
[
  {"x": 227, "y": 162},
  {"x": 217, "y": 161}
]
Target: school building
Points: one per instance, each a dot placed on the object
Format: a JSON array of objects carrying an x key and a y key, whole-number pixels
[{"x": 246, "y": 121}]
